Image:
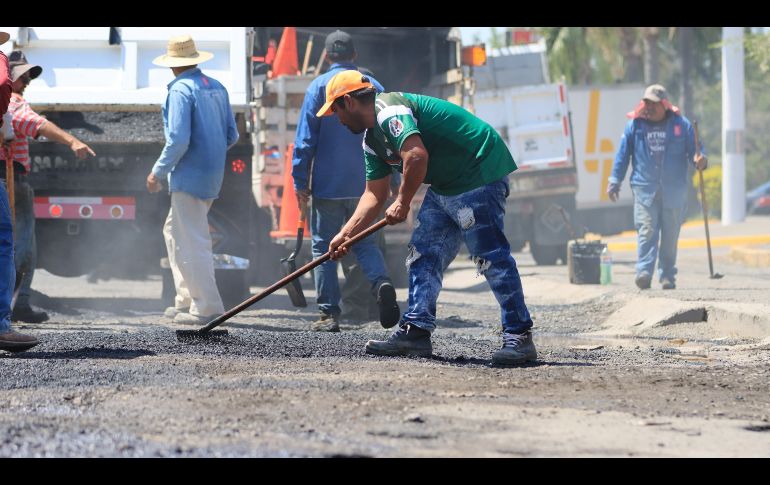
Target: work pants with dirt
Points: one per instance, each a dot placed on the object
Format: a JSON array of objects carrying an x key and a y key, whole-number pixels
[
  {"x": 657, "y": 223},
  {"x": 326, "y": 219},
  {"x": 7, "y": 270},
  {"x": 189, "y": 246},
  {"x": 476, "y": 218},
  {"x": 25, "y": 244}
]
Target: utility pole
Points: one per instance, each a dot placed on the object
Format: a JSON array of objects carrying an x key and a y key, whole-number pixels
[{"x": 733, "y": 126}]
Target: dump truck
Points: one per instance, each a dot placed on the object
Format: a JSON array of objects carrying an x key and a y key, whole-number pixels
[{"x": 95, "y": 216}]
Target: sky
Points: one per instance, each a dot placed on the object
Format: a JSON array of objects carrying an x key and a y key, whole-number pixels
[{"x": 484, "y": 32}]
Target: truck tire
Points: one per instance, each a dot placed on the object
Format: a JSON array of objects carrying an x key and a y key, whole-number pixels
[{"x": 547, "y": 255}]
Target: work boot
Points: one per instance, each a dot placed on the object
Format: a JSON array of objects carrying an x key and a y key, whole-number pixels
[
  {"x": 26, "y": 314},
  {"x": 190, "y": 319},
  {"x": 408, "y": 339},
  {"x": 668, "y": 283},
  {"x": 390, "y": 313},
  {"x": 643, "y": 281},
  {"x": 326, "y": 323},
  {"x": 517, "y": 348},
  {"x": 172, "y": 312},
  {"x": 13, "y": 341}
]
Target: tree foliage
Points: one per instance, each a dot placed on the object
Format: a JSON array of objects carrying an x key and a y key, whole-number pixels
[{"x": 607, "y": 55}]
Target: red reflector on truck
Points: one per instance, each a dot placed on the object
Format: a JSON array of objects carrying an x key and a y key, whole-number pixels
[
  {"x": 238, "y": 166},
  {"x": 85, "y": 208}
]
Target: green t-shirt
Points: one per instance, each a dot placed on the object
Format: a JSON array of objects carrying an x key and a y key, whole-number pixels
[{"x": 464, "y": 151}]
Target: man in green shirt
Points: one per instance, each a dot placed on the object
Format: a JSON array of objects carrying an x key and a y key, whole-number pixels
[{"x": 466, "y": 163}]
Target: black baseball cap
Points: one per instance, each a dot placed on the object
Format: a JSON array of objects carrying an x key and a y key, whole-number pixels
[{"x": 339, "y": 44}]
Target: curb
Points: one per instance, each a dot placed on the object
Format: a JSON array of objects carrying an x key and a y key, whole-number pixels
[
  {"x": 753, "y": 257},
  {"x": 689, "y": 243}
]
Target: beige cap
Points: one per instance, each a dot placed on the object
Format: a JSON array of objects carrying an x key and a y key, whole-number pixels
[{"x": 656, "y": 93}]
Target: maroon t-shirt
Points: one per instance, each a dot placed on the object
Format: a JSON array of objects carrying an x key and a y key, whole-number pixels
[{"x": 5, "y": 84}]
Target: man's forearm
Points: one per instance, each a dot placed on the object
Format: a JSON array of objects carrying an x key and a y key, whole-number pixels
[
  {"x": 54, "y": 133},
  {"x": 368, "y": 209}
]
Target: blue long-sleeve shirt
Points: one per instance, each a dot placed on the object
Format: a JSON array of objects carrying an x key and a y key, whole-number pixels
[
  {"x": 336, "y": 154},
  {"x": 199, "y": 127},
  {"x": 671, "y": 175}
]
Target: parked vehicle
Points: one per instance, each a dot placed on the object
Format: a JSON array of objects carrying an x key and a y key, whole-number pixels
[{"x": 758, "y": 200}]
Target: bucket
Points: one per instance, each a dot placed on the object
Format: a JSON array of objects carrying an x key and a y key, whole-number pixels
[{"x": 584, "y": 262}]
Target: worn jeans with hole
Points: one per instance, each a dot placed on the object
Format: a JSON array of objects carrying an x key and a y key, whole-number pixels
[
  {"x": 7, "y": 270},
  {"x": 475, "y": 218},
  {"x": 657, "y": 223},
  {"x": 326, "y": 219}
]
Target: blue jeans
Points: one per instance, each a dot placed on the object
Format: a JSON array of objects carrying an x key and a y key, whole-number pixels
[
  {"x": 653, "y": 223},
  {"x": 25, "y": 244},
  {"x": 476, "y": 218},
  {"x": 326, "y": 219},
  {"x": 7, "y": 270}
]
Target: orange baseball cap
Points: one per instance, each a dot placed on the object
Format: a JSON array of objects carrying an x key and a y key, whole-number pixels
[{"x": 341, "y": 84}]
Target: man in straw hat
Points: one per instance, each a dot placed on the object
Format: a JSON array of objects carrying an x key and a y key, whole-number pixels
[
  {"x": 466, "y": 164},
  {"x": 9, "y": 339},
  {"x": 200, "y": 128},
  {"x": 27, "y": 123}
]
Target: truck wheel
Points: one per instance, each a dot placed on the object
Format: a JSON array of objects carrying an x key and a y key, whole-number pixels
[{"x": 547, "y": 255}]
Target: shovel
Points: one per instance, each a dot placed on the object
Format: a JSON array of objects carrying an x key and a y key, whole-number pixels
[
  {"x": 289, "y": 265},
  {"x": 714, "y": 276},
  {"x": 189, "y": 335}
]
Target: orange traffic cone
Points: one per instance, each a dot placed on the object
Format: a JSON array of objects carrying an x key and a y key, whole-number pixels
[
  {"x": 286, "y": 61},
  {"x": 288, "y": 220}
]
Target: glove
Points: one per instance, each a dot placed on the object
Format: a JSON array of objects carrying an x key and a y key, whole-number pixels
[{"x": 613, "y": 191}]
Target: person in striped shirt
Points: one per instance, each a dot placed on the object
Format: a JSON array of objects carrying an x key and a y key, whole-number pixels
[{"x": 28, "y": 124}]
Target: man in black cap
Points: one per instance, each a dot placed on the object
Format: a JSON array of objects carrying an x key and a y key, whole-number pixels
[
  {"x": 27, "y": 123},
  {"x": 332, "y": 154}
]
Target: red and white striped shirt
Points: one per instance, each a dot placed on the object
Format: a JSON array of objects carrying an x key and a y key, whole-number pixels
[{"x": 26, "y": 123}]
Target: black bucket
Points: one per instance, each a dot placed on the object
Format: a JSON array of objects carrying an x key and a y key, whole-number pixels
[{"x": 584, "y": 262}]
